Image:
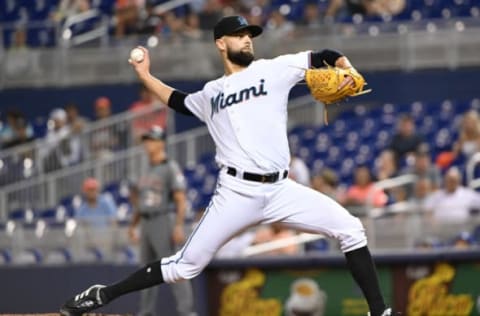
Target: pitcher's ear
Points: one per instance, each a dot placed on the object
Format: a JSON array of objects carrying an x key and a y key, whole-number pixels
[{"x": 220, "y": 43}]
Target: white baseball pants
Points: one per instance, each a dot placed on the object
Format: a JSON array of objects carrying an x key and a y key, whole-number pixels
[{"x": 238, "y": 204}]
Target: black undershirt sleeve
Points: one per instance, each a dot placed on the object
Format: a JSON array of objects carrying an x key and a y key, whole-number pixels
[
  {"x": 330, "y": 56},
  {"x": 177, "y": 102}
]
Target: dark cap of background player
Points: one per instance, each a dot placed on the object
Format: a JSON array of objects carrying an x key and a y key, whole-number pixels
[
  {"x": 155, "y": 133},
  {"x": 232, "y": 24}
]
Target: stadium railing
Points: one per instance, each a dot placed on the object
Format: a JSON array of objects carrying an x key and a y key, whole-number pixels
[
  {"x": 98, "y": 31},
  {"x": 47, "y": 189},
  {"x": 408, "y": 46},
  {"x": 98, "y": 138}
]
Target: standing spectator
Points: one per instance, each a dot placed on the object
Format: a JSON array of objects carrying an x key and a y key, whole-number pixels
[
  {"x": 75, "y": 121},
  {"x": 468, "y": 142},
  {"x": 406, "y": 141},
  {"x": 16, "y": 130},
  {"x": 158, "y": 193},
  {"x": 424, "y": 168},
  {"x": 454, "y": 202},
  {"x": 59, "y": 149},
  {"x": 363, "y": 189},
  {"x": 105, "y": 139},
  {"x": 97, "y": 210},
  {"x": 146, "y": 104},
  {"x": 326, "y": 182}
]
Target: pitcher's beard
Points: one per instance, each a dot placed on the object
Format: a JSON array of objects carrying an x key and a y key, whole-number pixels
[{"x": 240, "y": 58}]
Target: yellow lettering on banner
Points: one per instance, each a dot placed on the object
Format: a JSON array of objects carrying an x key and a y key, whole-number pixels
[
  {"x": 241, "y": 298},
  {"x": 354, "y": 306},
  {"x": 429, "y": 296}
]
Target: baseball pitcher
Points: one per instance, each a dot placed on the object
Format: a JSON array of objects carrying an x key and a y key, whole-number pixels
[{"x": 245, "y": 111}]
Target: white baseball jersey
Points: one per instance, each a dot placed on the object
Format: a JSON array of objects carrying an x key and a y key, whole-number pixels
[{"x": 246, "y": 112}]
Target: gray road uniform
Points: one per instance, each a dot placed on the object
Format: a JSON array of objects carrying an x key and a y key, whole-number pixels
[{"x": 157, "y": 212}]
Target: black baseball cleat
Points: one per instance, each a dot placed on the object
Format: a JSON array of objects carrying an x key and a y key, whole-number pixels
[{"x": 84, "y": 302}]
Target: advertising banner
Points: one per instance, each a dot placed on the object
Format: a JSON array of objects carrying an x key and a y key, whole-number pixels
[{"x": 435, "y": 289}]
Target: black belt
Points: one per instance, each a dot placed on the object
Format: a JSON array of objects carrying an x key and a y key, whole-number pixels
[
  {"x": 148, "y": 216},
  {"x": 264, "y": 178}
]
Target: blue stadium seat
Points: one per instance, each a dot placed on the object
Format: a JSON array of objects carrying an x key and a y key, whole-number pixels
[
  {"x": 49, "y": 214},
  {"x": 321, "y": 245},
  {"x": 443, "y": 140},
  {"x": 22, "y": 215},
  {"x": 40, "y": 9},
  {"x": 10, "y": 10},
  {"x": 5, "y": 256},
  {"x": 40, "y": 128},
  {"x": 59, "y": 255}
]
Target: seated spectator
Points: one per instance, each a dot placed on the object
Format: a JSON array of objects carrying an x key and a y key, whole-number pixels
[
  {"x": 192, "y": 26},
  {"x": 299, "y": 171},
  {"x": 278, "y": 25},
  {"x": 454, "y": 202},
  {"x": 424, "y": 168},
  {"x": 343, "y": 8},
  {"x": 209, "y": 14},
  {"x": 171, "y": 27},
  {"x": 421, "y": 191},
  {"x": 362, "y": 190},
  {"x": 326, "y": 182},
  {"x": 148, "y": 21},
  {"x": 20, "y": 60},
  {"x": 59, "y": 148},
  {"x": 384, "y": 7},
  {"x": 386, "y": 165},
  {"x": 68, "y": 8},
  {"x": 275, "y": 232},
  {"x": 16, "y": 130},
  {"x": 406, "y": 140},
  {"x": 468, "y": 142},
  {"x": 97, "y": 210},
  {"x": 145, "y": 104},
  {"x": 75, "y": 121},
  {"x": 127, "y": 13},
  {"x": 311, "y": 15}
]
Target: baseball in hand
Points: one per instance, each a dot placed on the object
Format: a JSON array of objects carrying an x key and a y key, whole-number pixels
[{"x": 137, "y": 55}]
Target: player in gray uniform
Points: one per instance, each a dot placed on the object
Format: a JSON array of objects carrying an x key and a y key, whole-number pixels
[
  {"x": 245, "y": 111},
  {"x": 156, "y": 196}
]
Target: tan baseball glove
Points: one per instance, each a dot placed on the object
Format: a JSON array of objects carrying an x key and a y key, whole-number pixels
[{"x": 324, "y": 82}]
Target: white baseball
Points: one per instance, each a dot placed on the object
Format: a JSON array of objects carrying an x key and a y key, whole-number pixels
[{"x": 137, "y": 55}]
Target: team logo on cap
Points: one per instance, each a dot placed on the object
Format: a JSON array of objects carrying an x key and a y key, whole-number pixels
[{"x": 242, "y": 20}]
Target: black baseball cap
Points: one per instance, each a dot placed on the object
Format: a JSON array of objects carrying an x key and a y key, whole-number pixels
[
  {"x": 231, "y": 24},
  {"x": 155, "y": 133}
]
